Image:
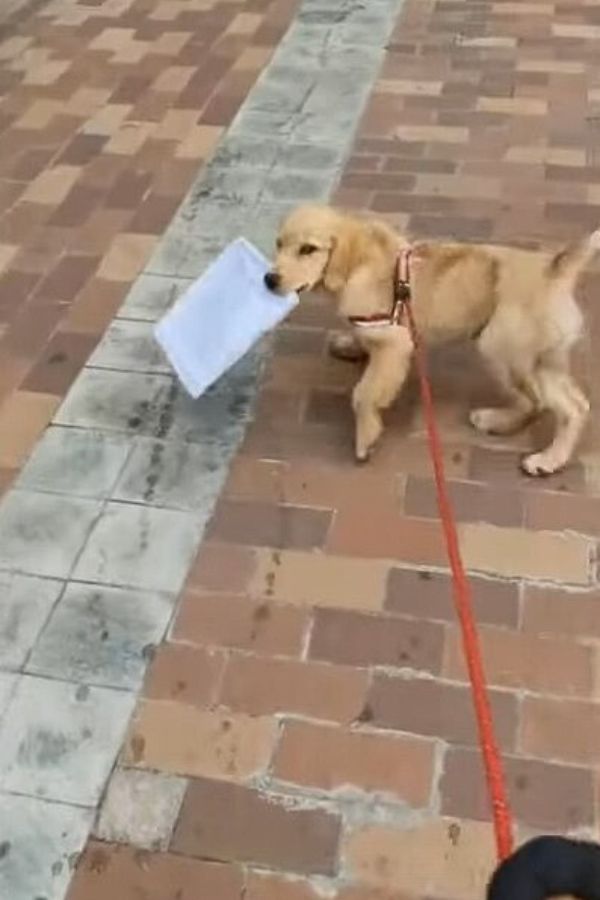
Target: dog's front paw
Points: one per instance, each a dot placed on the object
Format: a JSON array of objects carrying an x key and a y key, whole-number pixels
[
  {"x": 540, "y": 465},
  {"x": 367, "y": 438}
]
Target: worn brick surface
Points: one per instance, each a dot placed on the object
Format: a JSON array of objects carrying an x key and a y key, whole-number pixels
[
  {"x": 263, "y": 686},
  {"x": 544, "y": 795},
  {"x": 228, "y": 822},
  {"x": 328, "y": 758},
  {"x": 107, "y": 869},
  {"x": 314, "y": 655},
  {"x": 179, "y": 738}
]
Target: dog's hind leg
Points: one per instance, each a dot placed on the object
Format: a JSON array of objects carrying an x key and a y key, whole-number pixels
[
  {"x": 559, "y": 393},
  {"x": 386, "y": 371},
  {"x": 521, "y": 404}
]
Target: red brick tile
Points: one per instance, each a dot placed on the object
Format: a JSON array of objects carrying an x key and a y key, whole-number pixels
[
  {"x": 428, "y": 595},
  {"x": 307, "y": 484},
  {"x": 226, "y": 822},
  {"x": 63, "y": 358},
  {"x": 221, "y": 108},
  {"x": 562, "y": 730},
  {"x": 222, "y": 567},
  {"x": 268, "y": 886},
  {"x": 76, "y": 207},
  {"x": 30, "y": 163},
  {"x": 216, "y": 620},
  {"x": 154, "y": 214},
  {"x": 330, "y": 759},
  {"x": 129, "y": 190},
  {"x": 66, "y": 279},
  {"x": 264, "y": 524},
  {"x": 471, "y": 502},
  {"x": 180, "y": 738},
  {"x": 378, "y": 181},
  {"x": 15, "y": 290},
  {"x": 95, "y": 306},
  {"x": 265, "y": 686},
  {"x": 281, "y": 406},
  {"x": 543, "y": 795},
  {"x": 517, "y": 660},
  {"x": 561, "y": 613},
  {"x": 562, "y": 512},
  {"x": 186, "y": 673},
  {"x": 7, "y": 476},
  {"x": 436, "y": 709},
  {"x": 356, "y": 639},
  {"x": 388, "y": 535},
  {"x": 125, "y": 872},
  {"x": 28, "y": 333},
  {"x": 81, "y": 149}
]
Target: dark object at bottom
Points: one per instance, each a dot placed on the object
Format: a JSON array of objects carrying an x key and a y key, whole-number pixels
[{"x": 546, "y": 867}]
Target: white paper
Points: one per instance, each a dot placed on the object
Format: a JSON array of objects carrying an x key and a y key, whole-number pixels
[{"x": 220, "y": 317}]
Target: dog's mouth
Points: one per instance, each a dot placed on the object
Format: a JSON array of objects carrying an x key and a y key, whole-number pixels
[{"x": 303, "y": 288}]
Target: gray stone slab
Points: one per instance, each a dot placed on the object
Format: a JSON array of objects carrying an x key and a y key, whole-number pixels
[
  {"x": 291, "y": 187},
  {"x": 101, "y": 635},
  {"x": 151, "y": 296},
  {"x": 238, "y": 187},
  {"x": 42, "y": 534},
  {"x": 183, "y": 253},
  {"x": 141, "y": 808},
  {"x": 41, "y": 841},
  {"x": 263, "y": 226},
  {"x": 8, "y": 684},
  {"x": 284, "y": 97},
  {"x": 254, "y": 122},
  {"x": 346, "y": 19},
  {"x": 308, "y": 157},
  {"x": 320, "y": 51},
  {"x": 212, "y": 223},
  {"x": 252, "y": 152},
  {"x": 140, "y": 547},
  {"x": 59, "y": 741},
  {"x": 25, "y": 604},
  {"x": 155, "y": 406},
  {"x": 117, "y": 401},
  {"x": 130, "y": 347},
  {"x": 75, "y": 461},
  {"x": 176, "y": 475}
]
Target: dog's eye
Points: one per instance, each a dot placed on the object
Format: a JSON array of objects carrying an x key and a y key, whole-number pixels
[
  {"x": 279, "y": 244},
  {"x": 307, "y": 249}
]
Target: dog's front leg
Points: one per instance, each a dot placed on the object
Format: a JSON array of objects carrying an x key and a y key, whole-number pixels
[{"x": 389, "y": 361}]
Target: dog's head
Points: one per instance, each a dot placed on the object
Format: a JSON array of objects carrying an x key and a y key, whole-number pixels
[{"x": 305, "y": 244}]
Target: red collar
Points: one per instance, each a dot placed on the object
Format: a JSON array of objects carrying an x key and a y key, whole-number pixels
[{"x": 402, "y": 292}]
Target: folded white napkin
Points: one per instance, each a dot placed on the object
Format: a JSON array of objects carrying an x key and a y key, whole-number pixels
[{"x": 220, "y": 316}]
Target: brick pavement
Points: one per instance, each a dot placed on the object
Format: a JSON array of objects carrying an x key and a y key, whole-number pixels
[
  {"x": 108, "y": 111},
  {"x": 306, "y": 729},
  {"x": 312, "y": 691}
]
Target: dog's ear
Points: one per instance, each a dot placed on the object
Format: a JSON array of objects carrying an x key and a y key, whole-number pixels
[{"x": 342, "y": 259}]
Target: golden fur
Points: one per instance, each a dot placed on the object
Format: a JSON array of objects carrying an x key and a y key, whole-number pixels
[{"x": 518, "y": 305}]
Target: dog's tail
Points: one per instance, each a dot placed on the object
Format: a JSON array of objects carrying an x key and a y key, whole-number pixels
[
  {"x": 569, "y": 261},
  {"x": 548, "y": 867}
]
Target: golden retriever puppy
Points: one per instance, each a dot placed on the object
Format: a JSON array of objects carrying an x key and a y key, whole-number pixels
[{"x": 517, "y": 305}]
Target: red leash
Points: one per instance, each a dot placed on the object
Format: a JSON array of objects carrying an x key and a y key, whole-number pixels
[{"x": 461, "y": 588}]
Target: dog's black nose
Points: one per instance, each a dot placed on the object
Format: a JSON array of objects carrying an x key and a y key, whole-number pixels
[{"x": 272, "y": 280}]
